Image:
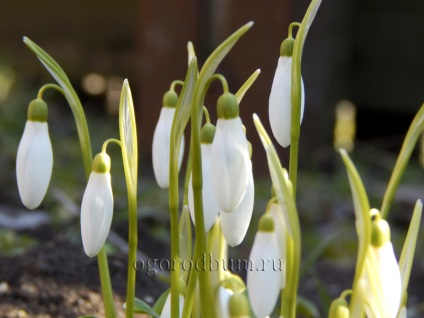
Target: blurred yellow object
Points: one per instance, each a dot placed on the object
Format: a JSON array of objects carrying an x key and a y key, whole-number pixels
[{"x": 345, "y": 126}]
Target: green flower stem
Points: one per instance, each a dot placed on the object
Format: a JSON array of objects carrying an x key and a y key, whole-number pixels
[
  {"x": 132, "y": 250},
  {"x": 47, "y": 86},
  {"x": 289, "y": 294},
  {"x": 105, "y": 283},
  {"x": 129, "y": 151},
  {"x": 296, "y": 89},
  {"x": 197, "y": 182},
  {"x": 291, "y": 26},
  {"x": 106, "y": 143},
  {"x": 191, "y": 286},
  {"x": 84, "y": 138},
  {"x": 411, "y": 139}
]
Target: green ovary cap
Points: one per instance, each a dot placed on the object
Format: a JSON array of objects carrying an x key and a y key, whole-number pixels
[
  {"x": 101, "y": 163},
  {"x": 227, "y": 106},
  {"x": 339, "y": 309},
  {"x": 238, "y": 306},
  {"x": 37, "y": 110},
  {"x": 207, "y": 134},
  {"x": 266, "y": 223},
  {"x": 286, "y": 48},
  {"x": 380, "y": 232},
  {"x": 170, "y": 99}
]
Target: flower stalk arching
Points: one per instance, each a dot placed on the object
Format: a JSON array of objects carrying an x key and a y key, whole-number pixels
[{"x": 84, "y": 138}]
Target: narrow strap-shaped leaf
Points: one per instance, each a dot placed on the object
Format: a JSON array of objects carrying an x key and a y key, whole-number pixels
[
  {"x": 408, "y": 250},
  {"x": 71, "y": 96},
  {"x": 245, "y": 87},
  {"x": 141, "y": 307},
  {"x": 363, "y": 228}
]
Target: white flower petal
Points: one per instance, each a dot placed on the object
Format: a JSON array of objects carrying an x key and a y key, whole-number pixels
[
  {"x": 223, "y": 299},
  {"x": 96, "y": 212},
  {"x": 230, "y": 162},
  {"x": 235, "y": 224},
  {"x": 34, "y": 163},
  {"x": 161, "y": 147},
  {"x": 390, "y": 278},
  {"x": 263, "y": 281},
  {"x": 210, "y": 206},
  {"x": 166, "y": 311},
  {"x": 280, "y": 102}
]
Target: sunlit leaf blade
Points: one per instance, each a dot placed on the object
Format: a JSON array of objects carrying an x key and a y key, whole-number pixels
[
  {"x": 191, "y": 52},
  {"x": 128, "y": 133},
  {"x": 307, "y": 21},
  {"x": 212, "y": 63},
  {"x": 363, "y": 227},
  {"x": 141, "y": 307},
  {"x": 279, "y": 176},
  {"x": 244, "y": 88},
  {"x": 408, "y": 250},
  {"x": 51, "y": 65},
  {"x": 71, "y": 96}
]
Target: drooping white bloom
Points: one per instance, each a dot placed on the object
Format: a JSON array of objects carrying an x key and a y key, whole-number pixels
[
  {"x": 34, "y": 160},
  {"x": 97, "y": 206},
  {"x": 264, "y": 281},
  {"x": 210, "y": 206},
  {"x": 229, "y": 163},
  {"x": 382, "y": 279},
  {"x": 390, "y": 278},
  {"x": 235, "y": 224},
  {"x": 161, "y": 147},
  {"x": 280, "y": 101},
  {"x": 223, "y": 299},
  {"x": 166, "y": 311}
]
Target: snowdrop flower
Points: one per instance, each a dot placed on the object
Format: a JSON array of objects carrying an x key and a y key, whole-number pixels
[
  {"x": 162, "y": 139},
  {"x": 230, "y": 160},
  {"x": 386, "y": 270},
  {"x": 97, "y": 206},
  {"x": 210, "y": 206},
  {"x": 235, "y": 224},
  {"x": 34, "y": 160},
  {"x": 280, "y": 96},
  {"x": 264, "y": 285}
]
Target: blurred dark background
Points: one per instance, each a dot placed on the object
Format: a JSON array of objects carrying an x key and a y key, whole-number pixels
[{"x": 359, "y": 50}]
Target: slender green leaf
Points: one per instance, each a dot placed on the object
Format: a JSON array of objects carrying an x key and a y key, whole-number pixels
[
  {"x": 141, "y": 307},
  {"x": 363, "y": 228},
  {"x": 408, "y": 250},
  {"x": 244, "y": 88},
  {"x": 71, "y": 96}
]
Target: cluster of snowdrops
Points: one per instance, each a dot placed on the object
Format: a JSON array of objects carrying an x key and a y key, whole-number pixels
[{"x": 219, "y": 195}]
